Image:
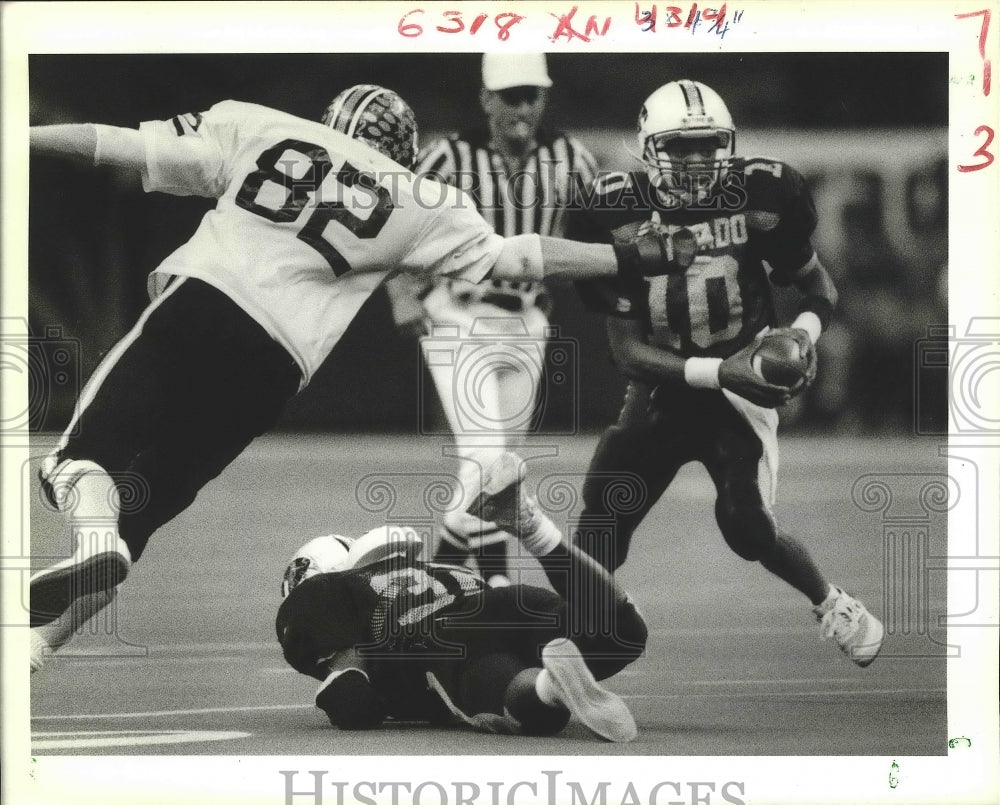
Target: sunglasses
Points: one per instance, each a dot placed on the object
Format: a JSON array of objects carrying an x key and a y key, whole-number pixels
[{"x": 515, "y": 96}]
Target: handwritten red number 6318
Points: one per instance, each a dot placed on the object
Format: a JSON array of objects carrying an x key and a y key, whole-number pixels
[{"x": 981, "y": 151}]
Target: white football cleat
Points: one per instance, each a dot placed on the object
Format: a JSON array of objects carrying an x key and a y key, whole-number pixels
[
  {"x": 846, "y": 620},
  {"x": 601, "y": 711},
  {"x": 40, "y": 651}
]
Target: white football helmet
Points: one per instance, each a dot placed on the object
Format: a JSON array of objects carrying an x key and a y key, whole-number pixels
[
  {"x": 685, "y": 109},
  {"x": 399, "y": 542},
  {"x": 320, "y": 555}
]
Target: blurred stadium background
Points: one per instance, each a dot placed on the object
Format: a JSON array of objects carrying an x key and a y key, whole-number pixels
[{"x": 867, "y": 130}]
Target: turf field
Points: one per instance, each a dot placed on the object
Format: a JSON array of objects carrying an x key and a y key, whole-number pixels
[{"x": 187, "y": 664}]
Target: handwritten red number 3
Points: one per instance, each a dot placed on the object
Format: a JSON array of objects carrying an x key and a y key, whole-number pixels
[{"x": 981, "y": 151}]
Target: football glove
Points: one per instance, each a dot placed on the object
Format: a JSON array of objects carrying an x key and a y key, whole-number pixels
[
  {"x": 737, "y": 375},
  {"x": 806, "y": 349},
  {"x": 660, "y": 253},
  {"x": 351, "y": 702}
]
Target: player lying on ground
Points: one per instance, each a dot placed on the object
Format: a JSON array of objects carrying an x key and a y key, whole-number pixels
[
  {"x": 686, "y": 342},
  {"x": 389, "y": 635},
  {"x": 311, "y": 217}
]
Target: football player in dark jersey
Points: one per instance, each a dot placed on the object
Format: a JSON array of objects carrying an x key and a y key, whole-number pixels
[
  {"x": 389, "y": 635},
  {"x": 685, "y": 340}
]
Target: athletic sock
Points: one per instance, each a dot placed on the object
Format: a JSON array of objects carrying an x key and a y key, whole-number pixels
[
  {"x": 545, "y": 689},
  {"x": 539, "y": 534}
]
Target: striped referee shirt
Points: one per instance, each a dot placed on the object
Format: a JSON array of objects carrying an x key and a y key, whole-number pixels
[{"x": 531, "y": 200}]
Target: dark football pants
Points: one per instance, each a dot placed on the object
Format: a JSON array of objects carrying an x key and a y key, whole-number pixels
[
  {"x": 638, "y": 457},
  {"x": 507, "y": 635},
  {"x": 473, "y": 654},
  {"x": 177, "y": 401}
]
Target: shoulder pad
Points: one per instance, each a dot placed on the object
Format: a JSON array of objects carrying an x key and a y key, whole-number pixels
[
  {"x": 773, "y": 190},
  {"x": 618, "y": 196},
  {"x": 610, "y": 182}
]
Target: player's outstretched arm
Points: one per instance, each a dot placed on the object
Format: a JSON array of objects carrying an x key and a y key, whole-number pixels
[
  {"x": 91, "y": 143},
  {"x": 536, "y": 259}
]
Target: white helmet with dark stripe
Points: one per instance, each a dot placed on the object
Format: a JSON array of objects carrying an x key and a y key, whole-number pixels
[
  {"x": 691, "y": 110},
  {"x": 378, "y": 117},
  {"x": 326, "y": 554}
]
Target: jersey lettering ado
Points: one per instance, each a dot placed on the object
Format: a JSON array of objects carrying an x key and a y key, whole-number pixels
[
  {"x": 308, "y": 221},
  {"x": 753, "y": 231}
]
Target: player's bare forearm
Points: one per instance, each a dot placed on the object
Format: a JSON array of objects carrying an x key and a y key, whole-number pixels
[
  {"x": 93, "y": 144},
  {"x": 530, "y": 258},
  {"x": 639, "y": 360},
  {"x": 572, "y": 260},
  {"x": 75, "y": 141}
]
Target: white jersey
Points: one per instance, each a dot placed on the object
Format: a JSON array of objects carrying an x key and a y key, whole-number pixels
[{"x": 308, "y": 222}]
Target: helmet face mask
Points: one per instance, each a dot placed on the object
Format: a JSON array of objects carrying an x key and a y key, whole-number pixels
[
  {"x": 378, "y": 117},
  {"x": 687, "y": 141}
]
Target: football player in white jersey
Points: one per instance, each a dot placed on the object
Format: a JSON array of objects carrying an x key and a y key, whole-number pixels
[{"x": 311, "y": 216}]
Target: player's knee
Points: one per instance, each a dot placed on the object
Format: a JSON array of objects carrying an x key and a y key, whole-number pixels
[
  {"x": 522, "y": 702},
  {"x": 746, "y": 526},
  {"x": 750, "y": 537},
  {"x": 611, "y": 650},
  {"x": 631, "y": 631}
]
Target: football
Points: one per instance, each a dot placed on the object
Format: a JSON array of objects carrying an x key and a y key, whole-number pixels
[{"x": 777, "y": 360}]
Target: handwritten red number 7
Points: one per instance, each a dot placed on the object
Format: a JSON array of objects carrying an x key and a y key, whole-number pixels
[
  {"x": 982, "y": 44},
  {"x": 981, "y": 152}
]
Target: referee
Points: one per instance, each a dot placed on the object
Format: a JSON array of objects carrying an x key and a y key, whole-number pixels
[{"x": 484, "y": 346}]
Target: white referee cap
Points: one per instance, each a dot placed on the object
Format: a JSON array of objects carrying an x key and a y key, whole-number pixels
[{"x": 505, "y": 70}]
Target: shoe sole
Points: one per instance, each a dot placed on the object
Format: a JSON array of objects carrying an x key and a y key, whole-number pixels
[
  {"x": 601, "y": 711},
  {"x": 53, "y": 593},
  {"x": 865, "y": 654}
]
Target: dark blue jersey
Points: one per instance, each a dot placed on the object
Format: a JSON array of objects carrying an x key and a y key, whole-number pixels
[
  {"x": 384, "y": 608},
  {"x": 761, "y": 211}
]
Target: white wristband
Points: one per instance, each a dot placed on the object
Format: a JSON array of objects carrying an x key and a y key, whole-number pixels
[
  {"x": 809, "y": 322},
  {"x": 702, "y": 373}
]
